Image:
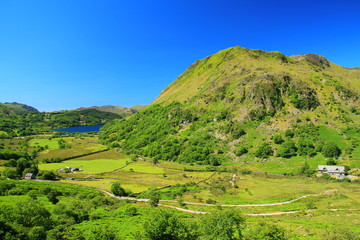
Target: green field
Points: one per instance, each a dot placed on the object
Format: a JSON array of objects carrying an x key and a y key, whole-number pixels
[
  {"x": 94, "y": 166},
  {"x": 77, "y": 147},
  {"x": 42, "y": 142}
]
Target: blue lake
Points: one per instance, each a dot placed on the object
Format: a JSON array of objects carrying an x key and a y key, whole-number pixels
[{"x": 81, "y": 129}]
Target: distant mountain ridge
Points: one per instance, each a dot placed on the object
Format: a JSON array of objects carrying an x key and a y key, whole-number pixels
[{"x": 123, "y": 111}]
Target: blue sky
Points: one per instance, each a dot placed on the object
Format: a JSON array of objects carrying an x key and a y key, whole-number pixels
[{"x": 64, "y": 54}]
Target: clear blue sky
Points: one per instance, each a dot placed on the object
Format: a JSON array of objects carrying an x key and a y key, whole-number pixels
[{"x": 64, "y": 54}]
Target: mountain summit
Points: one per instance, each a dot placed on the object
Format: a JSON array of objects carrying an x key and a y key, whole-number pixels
[{"x": 232, "y": 103}]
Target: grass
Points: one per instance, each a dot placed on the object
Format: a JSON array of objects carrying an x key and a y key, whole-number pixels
[
  {"x": 144, "y": 167},
  {"x": 94, "y": 166},
  {"x": 327, "y": 133},
  {"x": 111, "y": 154},
  {"x": 42, "y": 142},
  {"x": 78, "y": 147}
]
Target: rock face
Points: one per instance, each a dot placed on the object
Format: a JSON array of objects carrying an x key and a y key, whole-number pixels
[{"x": 245, "y": 96}]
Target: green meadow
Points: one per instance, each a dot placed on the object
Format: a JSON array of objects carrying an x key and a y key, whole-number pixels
[{"x": 93, "y": 166}]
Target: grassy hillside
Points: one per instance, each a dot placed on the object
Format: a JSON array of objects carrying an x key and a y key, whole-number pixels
[
  {"x": 16, "y": 107},
  {"x": 241, "y": 106}
]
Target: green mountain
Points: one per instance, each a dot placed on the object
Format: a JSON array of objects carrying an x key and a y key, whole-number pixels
[
  {"x": 16, "y": 107},
  {"x": 122, "y": 111},
  {"x": 241, "y": 104}
]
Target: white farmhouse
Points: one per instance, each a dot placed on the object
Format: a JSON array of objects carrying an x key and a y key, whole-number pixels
[{"x": 337, "y": 171}]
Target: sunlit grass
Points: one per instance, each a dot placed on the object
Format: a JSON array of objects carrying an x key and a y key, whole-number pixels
[{"x": 93, "y": 166}]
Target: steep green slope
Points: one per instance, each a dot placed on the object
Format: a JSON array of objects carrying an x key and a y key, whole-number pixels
[{"x": 229, "y": 106}]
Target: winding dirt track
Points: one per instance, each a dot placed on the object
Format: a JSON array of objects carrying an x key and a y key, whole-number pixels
[{"x": 204, "y": 204}]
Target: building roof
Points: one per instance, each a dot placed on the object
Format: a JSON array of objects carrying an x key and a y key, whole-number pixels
[{"x": 328, "y": 168}]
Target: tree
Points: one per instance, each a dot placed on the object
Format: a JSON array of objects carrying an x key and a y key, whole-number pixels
[
  {"x": 306, "y": 170},
  {"x": 52, "y": 196},
  {"x": 154, "y": 199},
  {"x": 264, "y": 151},
  {"x": 306, "y": 147},
  {"x": 117, "y": 190},
  {"x": 289, "y": 133},
  {"x": 165, "y": 225},
  {"x": 287, "y": 149},
  {"x": 266, "y": 231},
  {"x": 330, "y": 149},
  {"x": 222, "y": 225},
  {"x": 278, "y": 139},
  {"x": 241, "y": 150}
]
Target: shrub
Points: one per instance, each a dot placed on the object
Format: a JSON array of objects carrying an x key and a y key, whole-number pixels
[
  {"x": 117, "y": 190},
  {"x": 330, "y": 149},
  {"x": 264, "y": 151},
  {"x": 241, "y": 150}
]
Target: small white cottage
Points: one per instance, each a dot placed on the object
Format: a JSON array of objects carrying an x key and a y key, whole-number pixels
[{"x": 337, "y": 171}]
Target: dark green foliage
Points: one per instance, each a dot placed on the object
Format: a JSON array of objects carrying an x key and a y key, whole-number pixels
[
  {"x": 28, "y": 213},
  {"x": 240, "y": 150},
  {"x": 330, "y": 149},
  {"x": 222, "y": 225},
  {"x": 46, "y": 175},
  {"x": 165, "y": 225},
  {"x": 245, "y": 171},
  {"x": 53, "y": 196},
  {"x": 306, "y": 147},
  {"x": 7, "y": 232},
  {"x": 29, "y": 123},
  {"x": 155, "y": 132},
  {"x": 305, "y": 98},
  {"x": 266, "y": 231},
  {"x": 117, "y": 190},
  {"x": 7, "y": 154},
  {"x": 264, "y": 151},
  {"x": 102, "y": 233},
  {"x": 154, "y": 199},
  {"x": 306, "y": 170},
  {"x": 289, "y": 133},
  {"x": 331, "y": 162},
  {"x": 278, "y": 139},
  {"x": 21, "y": 166},
  {"x": 287, "y": 149},
  {"x": 5, "y": 186}
]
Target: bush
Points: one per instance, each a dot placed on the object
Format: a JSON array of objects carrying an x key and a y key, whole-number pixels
[
  {"x": 330, "y": 149},
  {"x": 266, "y": 231},
  {"x": 246, "y": 171},
  {"x": 287, "y": 149},
  {"x": 289, "y": 133},
  {"x": 264, "y": 151},
  {"x": 241, "y": 150},
  {"x": 117, "y": 190},
  {"x": 278, "y": 139},
  {"x": 227, "y": 224}
]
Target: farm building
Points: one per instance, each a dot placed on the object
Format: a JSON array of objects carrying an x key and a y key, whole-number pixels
[
  {"x": 29, "y": 176},
  {"x": 69, "y": 169},
  {"x": 336, "y": 171}
]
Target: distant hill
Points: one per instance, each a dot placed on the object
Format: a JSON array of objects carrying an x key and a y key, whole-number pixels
[
  {"x": 241, "y": 105},
  {"x": 15, "y": 122},
  {"x": 122, "y": 111},
  {"x": 18, "y": 107}
]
